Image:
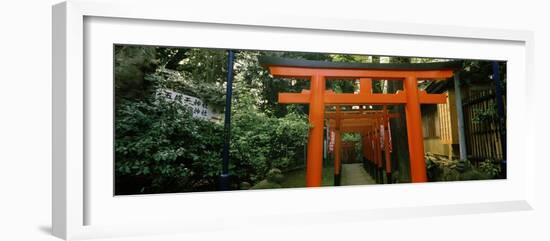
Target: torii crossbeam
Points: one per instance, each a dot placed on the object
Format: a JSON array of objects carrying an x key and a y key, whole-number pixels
[{"x": 317, "y": 72}]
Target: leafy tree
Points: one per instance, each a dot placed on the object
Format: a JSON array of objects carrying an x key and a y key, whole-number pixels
[{"x": 132, "y": 64}]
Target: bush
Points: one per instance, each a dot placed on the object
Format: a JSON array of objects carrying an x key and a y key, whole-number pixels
[
  {"x": 160, "y": 147},
  {"x": 473, "y": 174},
  {"x": 260, "y": 142},
  {"x": 245, "y": 186},
  {"x": 460, "y": 170},
  {"x": 275, "y": 175},
  {"x": 490, "y": 168},
  {"x": 265, "y": 184},
  {"x": 159, "y": 143}
]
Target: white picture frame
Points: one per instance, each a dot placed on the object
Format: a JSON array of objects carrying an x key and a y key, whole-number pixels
[{"x": 77, "y": 195}]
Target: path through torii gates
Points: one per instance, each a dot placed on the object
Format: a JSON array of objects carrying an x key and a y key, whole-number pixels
[
  {"x": 317, "y": 72},
  {"x": 373, "y": 126}
]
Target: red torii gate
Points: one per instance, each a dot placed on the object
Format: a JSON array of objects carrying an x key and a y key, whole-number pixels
[{"x": 317, "y": 97}]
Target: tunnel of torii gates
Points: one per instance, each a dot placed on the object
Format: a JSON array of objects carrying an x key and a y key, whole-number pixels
[
  {"x": 317, "y": 72},
  {"x": 373, "y": 126}
]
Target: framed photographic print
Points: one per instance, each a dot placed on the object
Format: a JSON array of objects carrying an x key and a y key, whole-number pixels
[{"x": 167, "y": 122}]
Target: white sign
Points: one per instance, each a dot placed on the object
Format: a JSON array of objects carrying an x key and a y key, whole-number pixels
[{"x": 199, "y": 108}]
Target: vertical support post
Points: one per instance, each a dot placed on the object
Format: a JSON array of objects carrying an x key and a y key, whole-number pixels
[
  {"x": 224, "y": 177},
  {"x": 460, "y": 117},
  {"x": 501, "y": 115},
  {"x": 314, "y": 167},
  {"x": 365, "y": 151},
  {"x": 414, "y": 131},
  {"x": 378, "y": 151},
  {"x": 365, "y": 86},
  {"x": 326, "y": 142},
  {"x": 371, "y": 156},
  {"x": 387, "y": 146},
  {"x": 337, "y": 149}
]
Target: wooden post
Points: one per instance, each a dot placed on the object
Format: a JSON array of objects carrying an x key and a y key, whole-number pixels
[
  {"x": 314, "y": 167},
  {"x": 387, "y": 149},
  {"x": 414, "y": 131},
  {"x": 363, "y": 148},
  {"x": 460, "y": 117},
  {"x": 378, "y": 151},
  {"x": 337, "y": 150}
]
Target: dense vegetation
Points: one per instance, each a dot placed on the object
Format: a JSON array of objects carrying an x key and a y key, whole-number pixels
[{"x": 160, "y": 147}]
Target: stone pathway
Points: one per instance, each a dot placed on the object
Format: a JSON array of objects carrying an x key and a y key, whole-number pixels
[{"x": 354, "y": 174}]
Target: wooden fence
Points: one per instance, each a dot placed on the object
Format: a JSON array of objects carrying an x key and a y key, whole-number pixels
[{"x": 481, "y": 126}]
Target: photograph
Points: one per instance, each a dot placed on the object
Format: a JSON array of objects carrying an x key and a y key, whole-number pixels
[{"x": 190, "y": 119}]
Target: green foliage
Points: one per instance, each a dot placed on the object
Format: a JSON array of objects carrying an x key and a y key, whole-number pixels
[
  {"x": 490, "y": 167},
  {"x": 265, "y": 184},
  {"x": 260, "y": 142},
  {"x": 275, "y": 175},
  {"x": 485, "y": 115},
  {"x": 351, "y": 58},
  {"x": 449, "y": 174},
  {"x": 253, "y": 80},
  {"x": 132, "y": 64},
  {"x": 160, "y": 143},
  {"x": 477, "y": 71},
  {"x": 461, "y": 170},
  {"x": 354, "y": 137},
  {"x": 474, "y": 174},
  {"x": 462, "y": 165}
]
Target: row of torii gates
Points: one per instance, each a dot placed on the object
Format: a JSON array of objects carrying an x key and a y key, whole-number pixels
[{"x": 371, "y": 124}]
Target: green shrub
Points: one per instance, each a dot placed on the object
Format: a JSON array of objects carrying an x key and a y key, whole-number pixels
[
  {"x": 245, "y": 185},
  {"x": 260, "y": 142},
  {"x": 473, "y": 174},
  {"x": 275, "y": 175},
  {"x": 265, "y": 184},
  {"x": 160, "y": 143},
  {"x": 490, "y": 168},
  {"x": 450, "y": 174}
]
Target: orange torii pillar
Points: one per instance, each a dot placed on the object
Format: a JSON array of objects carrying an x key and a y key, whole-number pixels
[
  {"x": 372, "y": 138},
  {"x": 375, "y": 142},
  {"x": 386, "y": 125},
  {"x": 379, "y": 152},
  {"x": 337, "y": 153},
  {"x": 381, "y": 134},
  {"x": 368, "y": 162},
  {"x": 366, "y": 151},
  {"x": 319, "y": 71},
  {"x": 375, "y": 151}
]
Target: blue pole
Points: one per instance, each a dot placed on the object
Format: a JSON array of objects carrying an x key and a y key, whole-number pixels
[
  {"x": 501, "y": 114},
  {"x": 224, "y": 177}
]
